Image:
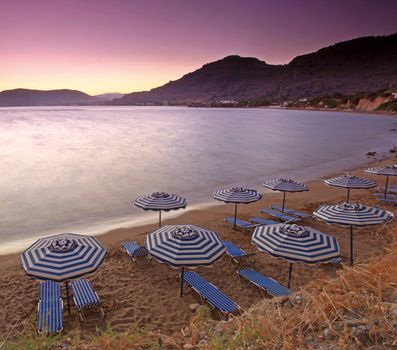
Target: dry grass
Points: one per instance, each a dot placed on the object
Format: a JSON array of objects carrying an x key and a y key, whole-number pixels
[{"x": 357, "y": 309}]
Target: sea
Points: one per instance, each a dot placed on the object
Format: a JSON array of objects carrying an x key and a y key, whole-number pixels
[{"x": 79, "y": 169}]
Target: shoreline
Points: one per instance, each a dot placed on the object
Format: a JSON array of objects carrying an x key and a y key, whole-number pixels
[
  {"x": 350, "y": 111},
  {"x": 107, "y": 236},
  {"x": 150, "y": 218}
]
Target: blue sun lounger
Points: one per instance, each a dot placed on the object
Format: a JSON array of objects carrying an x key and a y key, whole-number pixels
[
  {"x": 210, "y": 293},
  {"x": 392, "y": 188},
  {"x": 278, "y": 215},
  {"x": 292, "y": 212},
  {"x": 268, "y": 284},
  {"x": 50, "y": 308},
  {"x": 262, "y": 221},
  {"x": 85, "y": 297},
  {"x": 237, "y": 254},
  {"x": 388, "y": 195},
  {"x": 134, "y": 250},
  {"x": 388, "y": 200},
  {"x": 244, "y": 225}
]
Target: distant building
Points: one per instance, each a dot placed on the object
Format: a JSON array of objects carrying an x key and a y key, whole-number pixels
[
  {"x": 394, "y": 95},
  {"x": 228, "y": 102}
]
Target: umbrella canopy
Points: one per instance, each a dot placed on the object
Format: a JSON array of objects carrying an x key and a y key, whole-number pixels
[
  {"x": 385, "y": 171},
  {"x": 350, "y": 182},
  {"x": 296, "y": 244},
  {"x": 63, "y": 257},
  {"x": 237, "y": 195},
  {"x": 159, "y": 201},
  {"x": 183, "y": 246},
  {"x": 284, "y": 185},
  {"x": 353, "y": 215}
]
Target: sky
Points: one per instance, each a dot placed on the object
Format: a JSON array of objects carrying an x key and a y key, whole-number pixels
[{"x": 99, "y": 46}]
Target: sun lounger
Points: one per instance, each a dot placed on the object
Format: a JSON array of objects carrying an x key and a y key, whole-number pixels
[
  {"x": 388, "y": 200},
  {"x": 50, "y": 308},
  {"x": 134, "y": 250},
  {"x": 268, "y": 284},
  {"x": 262, "y": 221},
  {"x": 238, "y": 255},
  {"x": 390, "y": 189},
  {"x": 388, "y": 195},
  {"x": 292, "y": 212},
  {"x": 210, "y": 293},
  {"x": 50, "y": 314},
  {"x": 244, "y": 225},
  {"x": 278, "y": 215},
  {"x": 85, "y": 297},
  {"x": 50, "y": 290}
]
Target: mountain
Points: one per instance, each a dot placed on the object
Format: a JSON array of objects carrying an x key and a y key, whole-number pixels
[
  {"x": 363, "y": 64},
  {"x": 26, "y": 97},
  {"x": 109, "y": 96}
]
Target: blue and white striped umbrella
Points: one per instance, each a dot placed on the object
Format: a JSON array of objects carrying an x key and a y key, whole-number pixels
[
  {"x": 385, "y": 171},
  {"x": 159, "y": 201},
  {"x": 183, "y": 246},
  {"x": 353, "y": 215},
  {"x": 296, "y": 244},
  {"x": 350, "y": 182},
  {"x": 63, "y": 257},
  {"x": 285, "y": 185},
  {"x": 237, "y": 195}
]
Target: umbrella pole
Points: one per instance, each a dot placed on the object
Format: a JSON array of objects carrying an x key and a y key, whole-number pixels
[
  {"x": 182, "y": 273},
  {"x": 282, "y": 209},
  {"x": 159, "y": 218},
  {"x": 348, "y": 195},
  {"x": 289, "y": 274},
  {"x": 235, "y": 217},
  {"x": 387, "y": 183},
  {"x": 67, "y": 295},
  {"x": 351, "y": 245}
]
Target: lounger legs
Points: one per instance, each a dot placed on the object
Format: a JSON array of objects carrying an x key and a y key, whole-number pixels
[{"x": 82, "y": 315}]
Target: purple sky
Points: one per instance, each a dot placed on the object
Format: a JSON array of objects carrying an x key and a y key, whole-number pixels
[{"x": 128, "y": 45}]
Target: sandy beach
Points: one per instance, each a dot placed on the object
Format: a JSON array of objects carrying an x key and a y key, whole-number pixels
[{"x": 146, "y": 295}]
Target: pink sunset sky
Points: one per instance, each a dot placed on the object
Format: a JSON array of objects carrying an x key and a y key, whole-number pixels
[{"x": 126, "y": 45}]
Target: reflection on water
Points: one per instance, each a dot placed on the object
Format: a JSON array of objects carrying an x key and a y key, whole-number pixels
[{"x": 66, "y": 169}]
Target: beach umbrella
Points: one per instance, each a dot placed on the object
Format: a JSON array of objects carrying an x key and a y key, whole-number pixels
[
  {"x": 350, "y": 182},
  {"x": 296, "y": 243},
  {"x": 237, "y": 195},
  {"x": 284, "y": 185},
  {"x": 352, "y": 215},
  {"x": 160, "y": 201},
  {"x": 385, "y": 171},
  {"x": 63, "y": 257},
  {"x": 183, "y": 246}
]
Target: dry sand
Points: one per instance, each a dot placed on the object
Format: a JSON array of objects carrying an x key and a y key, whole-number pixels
[{"x": 147, "y": 294}]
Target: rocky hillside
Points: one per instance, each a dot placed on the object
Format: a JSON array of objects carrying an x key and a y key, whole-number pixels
[
  {"x": 359, "y": 65},
  {"x": 26, "y": 97}
]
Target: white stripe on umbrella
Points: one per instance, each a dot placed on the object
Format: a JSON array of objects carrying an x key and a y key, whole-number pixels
[{"x": 160, "y": 201}]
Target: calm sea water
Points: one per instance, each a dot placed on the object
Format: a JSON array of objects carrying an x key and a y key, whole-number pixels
[{"x": 80, "y": 169}]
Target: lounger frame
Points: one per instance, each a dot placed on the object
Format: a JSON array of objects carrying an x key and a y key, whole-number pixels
[{"x": 77, "y": 291}]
